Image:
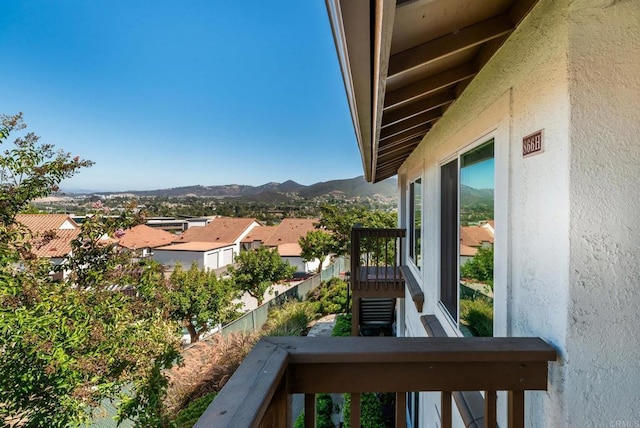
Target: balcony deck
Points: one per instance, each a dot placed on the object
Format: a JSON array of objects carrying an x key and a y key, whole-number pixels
[{"x": 259, "y": 393}]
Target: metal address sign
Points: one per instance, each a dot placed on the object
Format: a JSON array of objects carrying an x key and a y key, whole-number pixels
[{"x": 532, "y": 144}]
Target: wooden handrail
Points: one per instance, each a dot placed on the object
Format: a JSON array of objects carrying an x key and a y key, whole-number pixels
[{"x": 287, "y": 365}]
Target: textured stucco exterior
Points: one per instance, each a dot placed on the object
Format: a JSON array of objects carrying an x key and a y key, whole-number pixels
[
  {"x": 603, "y": 342},
  {"x": 567, "y": 228}
]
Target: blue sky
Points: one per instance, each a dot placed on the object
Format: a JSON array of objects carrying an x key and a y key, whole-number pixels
[{"x": 166, "y": 93}]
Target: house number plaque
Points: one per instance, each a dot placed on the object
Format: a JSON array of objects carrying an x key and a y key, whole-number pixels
[{"x": 532, "y": 144}]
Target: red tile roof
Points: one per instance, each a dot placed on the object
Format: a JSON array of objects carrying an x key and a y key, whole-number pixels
[
  {"x": 474, "y": 236},
  {"x": 289, "y": 250},
  {"x": 222, "y": 229},
  {"x": 260, "y": 233},
  {"x": 54, "y": 247},
  {"x": 290, "y": 231},
  {"x": 143, "y": 236},
  {"x": 44, "y": 222}
]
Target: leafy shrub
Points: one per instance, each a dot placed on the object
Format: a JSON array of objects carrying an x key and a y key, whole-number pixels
[
  {"x": 480, "y": 268},
  {"x": 370, "y": 411},
  {"x": 478, "y": 316},
  {"x": 324, "y": 410},
  {"x": 330, "y": 296},
  {"x": 190, "y": 415},
  {"x": 291, "y": 319},
  {"x": 342, "y": 328}
]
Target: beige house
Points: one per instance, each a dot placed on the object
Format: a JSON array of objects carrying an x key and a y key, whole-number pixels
[
  {"x": 522, "y": 112},
  {"x": 540, "y": 100}
]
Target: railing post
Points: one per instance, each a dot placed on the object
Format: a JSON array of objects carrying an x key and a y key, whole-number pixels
[
  {"x": 309, "y": 410},
  {"x": 355, "y": 410},
  {"x": 355, "y": 316},
  {"x": 279, "y": 411},
  {"x": 490, "y": 420},
  {"x": 445, "y": 409},
  {"x": 516, "y": 409},
  {"x": 401, "y": 409}
]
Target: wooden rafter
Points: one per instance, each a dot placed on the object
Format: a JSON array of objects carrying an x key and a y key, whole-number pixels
[
  {"x": 428, "y": 86},
  {"x": 403, "y": 113},
  {"x": 442, "y": 47},
  {"x": 412, "y": 122}
]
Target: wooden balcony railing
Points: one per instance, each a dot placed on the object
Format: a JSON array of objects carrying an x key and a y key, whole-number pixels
[
  {"x": 377, "y": 277},
  {"x": 375, "y": 262},
  {"x": 259, "y": 393}
]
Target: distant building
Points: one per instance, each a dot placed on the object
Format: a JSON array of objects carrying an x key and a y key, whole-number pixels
[
  {"x": 52, "y": 236},
  {"x": 142, "y": 239}
]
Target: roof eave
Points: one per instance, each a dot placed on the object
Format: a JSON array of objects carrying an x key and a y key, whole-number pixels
[{"x": 354, "y": 54}]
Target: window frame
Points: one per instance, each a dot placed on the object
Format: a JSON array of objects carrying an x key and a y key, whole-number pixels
[
  {"x": 455, "y": 157},
  {"x": 415, "y": 240}
]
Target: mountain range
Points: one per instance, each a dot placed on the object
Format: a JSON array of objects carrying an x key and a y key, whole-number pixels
[{"x": 345, "y": 188}]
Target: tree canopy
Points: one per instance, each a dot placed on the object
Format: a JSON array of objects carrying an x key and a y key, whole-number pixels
[
  {"x": 257, "y": 270},
  {"x": 66, "y": 345},
  {"x": 317, "y": 244},
  {"x": 199, "y": 300},
  {"x": 340, "y": 220}
]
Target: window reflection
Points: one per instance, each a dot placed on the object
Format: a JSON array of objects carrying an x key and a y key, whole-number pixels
[
  {"x": 476, "y": 240},
  {"x": 415, "y": 211}
]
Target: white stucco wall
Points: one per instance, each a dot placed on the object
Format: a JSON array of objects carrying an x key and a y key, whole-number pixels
[
  {"x": 603, "y": 343},
  {"x": 185, "y": 258},
  {"x": 524, "y": 88}
]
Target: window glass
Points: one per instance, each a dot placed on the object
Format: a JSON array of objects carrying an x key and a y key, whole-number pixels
[
  {"x": 476, "y": 241},
  {"x": 415, "y": 221},
  {"x": 466, "y": 239}
]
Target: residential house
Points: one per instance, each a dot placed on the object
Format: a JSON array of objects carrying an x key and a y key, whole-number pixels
[
  {"x": 257, "y": 237},
  {"x": 208, "y": 255},
  {"x": 213, "y": 246},
  {"x": 474, "y": 237},
  {"x": 285, "y": 238},
  {"x": 52, "y": 235},
  {"x": 538, "y": 101},
  {"x": 142, "y": 239}
]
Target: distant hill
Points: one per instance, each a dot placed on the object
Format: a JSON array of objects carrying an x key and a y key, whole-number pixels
[
  {"x": 280, "y": 192},
  {"x": 351, "y": 187}
]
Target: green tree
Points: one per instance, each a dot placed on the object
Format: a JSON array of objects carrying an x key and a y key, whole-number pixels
[
  {"x": 480, "y": 267},
  {"x": 340, "y": 220},
  {"x": 199, "y": 300},
  {"x": 67, "y": 345},
  {"x": 257, "y": 270},
  {"x": 317, "y": 244}
]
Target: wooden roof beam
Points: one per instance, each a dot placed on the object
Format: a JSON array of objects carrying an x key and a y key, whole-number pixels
[
  {"x": 412, "y": 122},
  {"x": 428, "y": 86},
  {"x": 406, "y": 135},
  {"x": 450, "y": 44},
  {"x": 402, "y": 152},
  {"x": 399, "y": 144},
  {"x": 392, "y": 117}
]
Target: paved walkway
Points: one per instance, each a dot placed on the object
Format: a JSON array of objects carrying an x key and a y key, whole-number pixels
[{"x": 321, "y": 328}]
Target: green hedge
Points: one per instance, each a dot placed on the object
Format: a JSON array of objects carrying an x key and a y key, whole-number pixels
[
  {"x": 190, "y": 414},
  {"x": 330, "y": 297},
  {"x": 324, "y": 409}
]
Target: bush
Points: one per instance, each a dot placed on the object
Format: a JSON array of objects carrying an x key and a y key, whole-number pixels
[
  {"x": 324, "y": 410},
  {"x": 370, "y": 411},
  {"x": 477, "y": 315},
  {"x": 330, "y": 296},
  {"x": 291, "y": 319},
  {"x": 342, "y": 328},
  {"x": 190, "y": 415},
  {"x": 206, "y": 367},
  {"x": 480, "y": 268}
]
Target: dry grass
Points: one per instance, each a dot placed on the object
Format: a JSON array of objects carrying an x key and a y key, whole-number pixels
[{"x": 207, "y": 366}]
